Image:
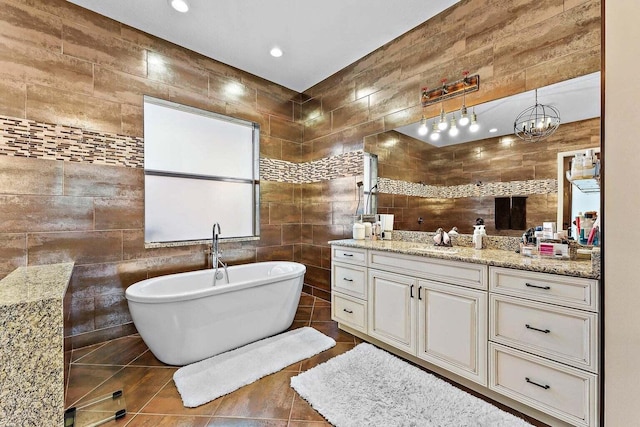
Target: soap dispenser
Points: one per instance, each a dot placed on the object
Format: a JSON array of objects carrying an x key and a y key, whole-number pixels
[{"x": 478, "y": 233}]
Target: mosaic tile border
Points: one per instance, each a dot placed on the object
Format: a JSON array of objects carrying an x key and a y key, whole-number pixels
[
  {"x": 342, "y": 165},
  {"x": 491, "y": 189},
  {"x": 28, "y": 138}
]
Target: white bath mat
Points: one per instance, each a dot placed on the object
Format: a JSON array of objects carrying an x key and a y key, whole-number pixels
[
  {"x": 367, "y": 386},
  {"x": 204, "y": 381}
]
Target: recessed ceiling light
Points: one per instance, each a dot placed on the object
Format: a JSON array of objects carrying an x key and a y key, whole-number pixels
[
  {"x": 492, "y": 130},
  {"x": 276, "y": 52},
  {"x": 180, "y": 5}
]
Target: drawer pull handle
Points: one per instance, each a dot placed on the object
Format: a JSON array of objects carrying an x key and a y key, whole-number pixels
[
  {"x": 546, "y": 386},
  {"x": 546, "y": 331},
  {"x": 546, "y": 288},
  {"x": 347, "y": 279},
  {"x": 347, "y": 311},
  {"x": 347, "y": 254}
]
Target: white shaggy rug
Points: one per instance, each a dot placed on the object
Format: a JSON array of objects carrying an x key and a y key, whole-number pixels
[
  {"x": 367, "y": 386},
  {"x": 204, "y": 381}
]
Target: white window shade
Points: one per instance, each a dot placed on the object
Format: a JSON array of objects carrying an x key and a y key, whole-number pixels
[
  {"x": 191, "y": 143},
  {"x": 200, "y": 168}
]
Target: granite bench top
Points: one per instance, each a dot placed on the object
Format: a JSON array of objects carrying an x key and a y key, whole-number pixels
[
  {"x": 32, "y": 345},
  {"x": 494, "y": 257},
  {"x": 35, "y": 283}
]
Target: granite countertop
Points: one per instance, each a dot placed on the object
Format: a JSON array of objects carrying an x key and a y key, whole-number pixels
[
  {"x": 35, "y": 283},
  {"x": 496, "y": 257}
]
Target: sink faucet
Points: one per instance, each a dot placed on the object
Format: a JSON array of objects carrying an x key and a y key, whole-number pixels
[{"x": 216, "y": 260}]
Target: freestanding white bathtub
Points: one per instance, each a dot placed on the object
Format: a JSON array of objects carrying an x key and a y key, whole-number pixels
[{"x": 183, "y": 318}]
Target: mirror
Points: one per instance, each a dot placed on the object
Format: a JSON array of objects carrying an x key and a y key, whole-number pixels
[
  {"x": 575, "y": 197},
  {"x": 453, "y": 181}
]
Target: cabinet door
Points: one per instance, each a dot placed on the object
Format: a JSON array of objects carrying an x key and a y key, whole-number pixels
[
  {"x": 452, "y": 329},
  {"x": 392, "y": 309}
]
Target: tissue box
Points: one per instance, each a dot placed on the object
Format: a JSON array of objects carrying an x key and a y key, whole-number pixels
[{"x": 554, "y": 250}]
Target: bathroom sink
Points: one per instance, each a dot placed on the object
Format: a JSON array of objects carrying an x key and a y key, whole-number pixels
[{"x": 435, "y": 249}]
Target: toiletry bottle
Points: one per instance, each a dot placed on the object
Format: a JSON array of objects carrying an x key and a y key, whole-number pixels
[
  {"x": 477, "y": 236},
  {"x": 367, "y": 230},
  {"x": 358, "y": 231}
]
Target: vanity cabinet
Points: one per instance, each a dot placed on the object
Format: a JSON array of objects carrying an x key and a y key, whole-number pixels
[
  {"x": 544, "y": 340},
  {"x": 452, "y": 331},
  {"x": 392, "y": 308},
  {"x": 532, "y": 337},
  {"x": 349, "y": 287},
  {"x": 433, "y": 309}
]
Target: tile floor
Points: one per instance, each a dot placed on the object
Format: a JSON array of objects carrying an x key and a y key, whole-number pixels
[{"x": 152, "y": 399}]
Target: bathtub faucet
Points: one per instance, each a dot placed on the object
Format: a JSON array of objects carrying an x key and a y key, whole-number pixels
[{"x": 216, "y": 260}]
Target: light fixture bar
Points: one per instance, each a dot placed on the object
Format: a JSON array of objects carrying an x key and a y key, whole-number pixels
[{"x": 450, "y": 90}]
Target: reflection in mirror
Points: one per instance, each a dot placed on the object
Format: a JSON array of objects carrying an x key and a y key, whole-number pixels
[
  {"x": 577, "y": 197},
  {"x": 451, "y": 183},
  {"x": 368, "y": 189}
]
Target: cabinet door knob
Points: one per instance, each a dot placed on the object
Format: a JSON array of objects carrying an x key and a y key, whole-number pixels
[
  {"x": 546, "y": 386},
  {"x": 347, "y": 311},
  {"x": 411, "y": 291},
  {"x": 419, "y": 289},
  {"x": 546, "y": 288},
  {"x": 546, "y": 331}
]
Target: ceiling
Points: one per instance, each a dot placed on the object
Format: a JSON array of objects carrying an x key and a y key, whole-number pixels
[
  {"x": 318, "y": 38},
  {"x": 576, "y": 99}
]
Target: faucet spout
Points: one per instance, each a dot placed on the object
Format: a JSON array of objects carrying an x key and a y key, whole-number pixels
[{"x": 216, "y": 260}]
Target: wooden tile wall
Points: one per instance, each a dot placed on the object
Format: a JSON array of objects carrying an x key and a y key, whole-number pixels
[
  {"x": 76, "y": 78},
  {"x": 515, "y": 45},
  {"x": 66, "y": 66}
]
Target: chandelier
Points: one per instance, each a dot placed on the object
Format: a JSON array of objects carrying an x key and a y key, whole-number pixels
[{"x": 537, "y": 122}]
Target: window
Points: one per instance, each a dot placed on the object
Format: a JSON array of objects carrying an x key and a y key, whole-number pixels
[{"x": 200, "y": 168}]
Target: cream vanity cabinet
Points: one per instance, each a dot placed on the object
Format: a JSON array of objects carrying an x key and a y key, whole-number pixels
[
  {"x": 432, "y": 309},
  {"x": 543, "y": 349},
  {"x": 349, "y": 287}
]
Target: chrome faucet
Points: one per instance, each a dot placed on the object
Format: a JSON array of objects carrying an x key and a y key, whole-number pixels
[{"x": 216, "y": 260}]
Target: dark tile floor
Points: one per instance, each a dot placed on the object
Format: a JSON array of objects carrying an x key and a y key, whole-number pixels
[{"x": 152, "y": 399}]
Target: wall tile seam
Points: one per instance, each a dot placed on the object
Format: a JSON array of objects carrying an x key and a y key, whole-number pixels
[{"x": 490, "y": 189}]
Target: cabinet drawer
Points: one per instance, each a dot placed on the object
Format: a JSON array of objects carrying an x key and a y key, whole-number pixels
[
  {"x": 559, "y": 390},
  {"x": 350, "y": 311},
  {"x": 563, "y": 334},
  {"x": 349, "y": 255},
  {"x": 568, "y": 291},
  {"x": 454, "y": 272},
  {"x": 349, "y": 279}
]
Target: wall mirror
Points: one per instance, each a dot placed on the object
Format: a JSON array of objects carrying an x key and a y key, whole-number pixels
[{"x": 449, "y": 182}]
